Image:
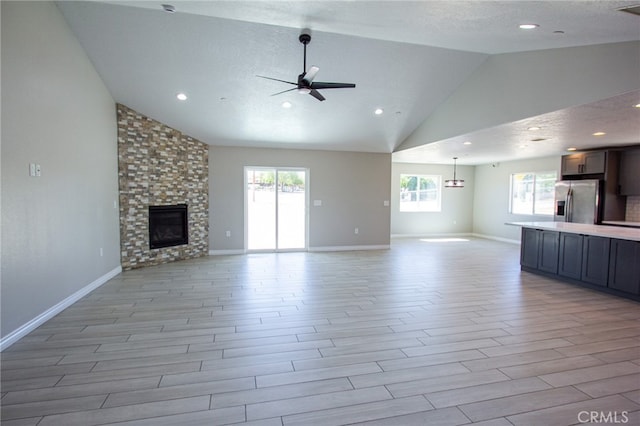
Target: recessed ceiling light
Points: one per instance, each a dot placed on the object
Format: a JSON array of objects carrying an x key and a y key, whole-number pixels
[
  {"x": 467, "y": 143},
  {"x": 599, "y": 134},
  {"x": 572, "y": 149},
  {"x": 637, "y": 105},
  {"x": 528, "y": 26},
  {"x": 169, "y": 8},
  {"x": 534, "y": 128},
  {"x": 378, "y": 111},
  {"x": 286, "y": 104},
  {"x": 181, "y": 96}
]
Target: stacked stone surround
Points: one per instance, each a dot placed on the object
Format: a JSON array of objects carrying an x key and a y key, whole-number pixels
[{"x": 158, "y": 165}]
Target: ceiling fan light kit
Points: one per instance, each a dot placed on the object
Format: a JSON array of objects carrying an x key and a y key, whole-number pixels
[{"x": 305, "y": 84}]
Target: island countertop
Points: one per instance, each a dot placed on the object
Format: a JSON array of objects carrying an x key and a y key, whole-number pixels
[{"x": 619, "y": 232}]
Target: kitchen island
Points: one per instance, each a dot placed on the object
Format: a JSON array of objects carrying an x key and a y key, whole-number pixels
[{"x": 600, "y": 257}]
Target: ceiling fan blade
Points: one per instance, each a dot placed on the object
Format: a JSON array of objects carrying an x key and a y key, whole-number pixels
[
  {"x": 284, "y": 91},
  {"x": 310, "y": 75},
  {"x": 316, "y": 95},
  {"x": 319, "y": 85},
  {"x": 277, "y": 79}
]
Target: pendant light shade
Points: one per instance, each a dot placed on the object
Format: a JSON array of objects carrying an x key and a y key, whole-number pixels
[{"x": 454, "y": 183}]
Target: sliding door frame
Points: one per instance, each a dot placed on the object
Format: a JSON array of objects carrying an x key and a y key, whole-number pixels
[{"x": 276, "y": 171}]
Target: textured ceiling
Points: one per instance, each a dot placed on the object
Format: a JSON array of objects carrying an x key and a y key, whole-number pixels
[
  {"x": 405, "y": 57},
  {"x": 476, "y": 26}
]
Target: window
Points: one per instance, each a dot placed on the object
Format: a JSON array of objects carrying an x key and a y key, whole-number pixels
[
  {"x": 420, "y": 193},
  {"x": 532, "y": 193}
]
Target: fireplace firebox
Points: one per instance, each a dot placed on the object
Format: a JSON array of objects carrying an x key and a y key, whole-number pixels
[{"x": 168, "y": 226}]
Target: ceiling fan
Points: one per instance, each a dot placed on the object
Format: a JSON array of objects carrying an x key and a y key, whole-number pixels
[{"x": 305, "y": 84}]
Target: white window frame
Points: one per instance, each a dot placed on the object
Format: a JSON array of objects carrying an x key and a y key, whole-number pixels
[
  {"x": 536, "y": 177},
  {"x": 418, "y": 205}
]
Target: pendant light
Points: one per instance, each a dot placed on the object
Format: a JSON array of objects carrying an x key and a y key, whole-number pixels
[{"x": 454, "y": 183}]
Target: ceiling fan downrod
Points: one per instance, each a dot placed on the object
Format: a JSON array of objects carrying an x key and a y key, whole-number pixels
[{"x": 305, "y": 38}]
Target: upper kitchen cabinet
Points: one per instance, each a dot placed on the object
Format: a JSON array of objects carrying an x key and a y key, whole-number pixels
[
  {"x": 629, "y": 178},
  {"x": 584, "y": 163}
]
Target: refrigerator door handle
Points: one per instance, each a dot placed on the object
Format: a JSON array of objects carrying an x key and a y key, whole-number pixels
[{"x": 568, "y": 217}]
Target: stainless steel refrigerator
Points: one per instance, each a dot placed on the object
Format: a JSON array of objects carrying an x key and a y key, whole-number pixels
[{"x": 577, "y": 201}]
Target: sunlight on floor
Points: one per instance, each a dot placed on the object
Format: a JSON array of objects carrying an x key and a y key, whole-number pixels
[{"x": 443, "y": 240}]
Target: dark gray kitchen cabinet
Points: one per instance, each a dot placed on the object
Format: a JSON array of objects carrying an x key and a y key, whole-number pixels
[
  {"x": 584, "y": 163},
  {"x": 539, "y": 250},
  {"x": 529, "y": 248},
  {"x": 571, "y": 164},
  {"x": 570, "y": 255},
  {"x": 629, "y": 177},
  {"x": 624, "y": 266},
  {"x": 549, "y": 242},
  {"x": 595, "y": 260}
]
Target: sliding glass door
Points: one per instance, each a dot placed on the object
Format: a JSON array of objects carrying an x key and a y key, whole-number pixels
[{"x": 276, "y": 213}]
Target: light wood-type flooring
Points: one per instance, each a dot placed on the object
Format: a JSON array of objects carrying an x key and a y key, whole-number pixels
[{"x": 426, "y": 333}]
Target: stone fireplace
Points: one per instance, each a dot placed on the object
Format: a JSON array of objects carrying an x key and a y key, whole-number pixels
[{"x": 160, "y": 170}]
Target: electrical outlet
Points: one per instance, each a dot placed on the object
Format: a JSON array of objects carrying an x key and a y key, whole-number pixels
[
  {"x": 228, "y": 233},
  {"x": 32, "y": 169},
  {"x": 356, "y": 231}
]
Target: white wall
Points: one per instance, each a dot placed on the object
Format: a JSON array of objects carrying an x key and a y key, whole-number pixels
[
  {"x": 456, "y": 216},
  {"x": 352, "y": 187},
  {"x": 549, "y": 80},
  {"x": 491, "y": 197},
  {"x": 55, "y": 112}
]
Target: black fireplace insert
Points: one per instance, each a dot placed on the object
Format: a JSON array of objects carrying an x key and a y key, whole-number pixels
[{"x": 168, "y": 226}]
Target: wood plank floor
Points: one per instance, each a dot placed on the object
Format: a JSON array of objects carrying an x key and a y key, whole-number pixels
[{"x": 426, "y": 333}]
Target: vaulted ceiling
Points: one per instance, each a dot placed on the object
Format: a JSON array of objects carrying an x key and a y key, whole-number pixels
[{"x": 408, "y": 58}]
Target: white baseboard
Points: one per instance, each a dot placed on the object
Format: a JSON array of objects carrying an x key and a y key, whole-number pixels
[
  {"x": 349, "y": 248},
  {"x": 225, "y": 252},
  {"x": 28, "y": 327}
]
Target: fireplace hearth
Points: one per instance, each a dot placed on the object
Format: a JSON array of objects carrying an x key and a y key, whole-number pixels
[{"x": 168, "y": 226}]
